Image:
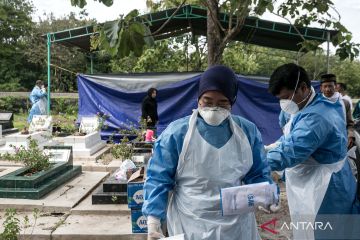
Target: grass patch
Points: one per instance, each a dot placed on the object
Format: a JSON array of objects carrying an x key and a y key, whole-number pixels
[{"x": 20, "y": 120}]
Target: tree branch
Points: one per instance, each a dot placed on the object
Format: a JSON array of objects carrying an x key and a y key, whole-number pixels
[
  {"x": 240, "y": 19},
  {"x": 168, "y": 20},
  {"x": 297, "y": 30},
  {"x": 213, "y": 17}
]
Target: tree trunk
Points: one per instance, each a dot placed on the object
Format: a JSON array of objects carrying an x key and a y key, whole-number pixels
[{"x": 213, "y": 33}]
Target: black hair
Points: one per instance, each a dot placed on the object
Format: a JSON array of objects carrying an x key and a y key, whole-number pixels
[
  {"x": 329, "y": 77},
  {"x": 286, "y": 76},
  {"x": 342, "y": 86},
  {"x": 150, "y": 91},
  {"x": 39, "y": 82}
]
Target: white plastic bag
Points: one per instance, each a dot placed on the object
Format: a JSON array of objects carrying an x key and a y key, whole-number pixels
[
  {"x": 246, "y": 198},
  {"x": 120, "y": 173},
  {"x": 177, "y": 237}
]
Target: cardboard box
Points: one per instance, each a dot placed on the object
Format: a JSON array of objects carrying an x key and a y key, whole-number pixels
[
  {"x": 138, "y": 221},
  {"x": 135, "y": 189}
]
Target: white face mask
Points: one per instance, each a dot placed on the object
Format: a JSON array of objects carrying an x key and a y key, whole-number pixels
[
  {"x": 214, "y": 115},
  {"x": 289, "y": 106},
  {"x": 334, "y": 97}
]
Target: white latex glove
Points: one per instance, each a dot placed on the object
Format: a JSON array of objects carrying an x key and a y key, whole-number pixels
[
  {"x": 273, "y": 208},
  {"x": 154, "y": 228},
  {"x": 271, "y": 146}
]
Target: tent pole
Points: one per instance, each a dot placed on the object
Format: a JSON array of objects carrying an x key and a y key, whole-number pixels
[
  {"x": 328, "y": 53},
  {"x": 48, "y": 71},
  {"x": 91, "y": 63},
  {"x": 315, "y": 65}
]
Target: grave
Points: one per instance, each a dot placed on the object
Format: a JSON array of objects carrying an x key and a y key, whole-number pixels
[
  {"x": 112, "y": 191},
  {"x": 6, "y": 121},
  {"x": 143, "y": 148},
  {"x": 19, "y": 184},
  {"x": 40, "y": 130},
  {"x": 89, "y": 144}
]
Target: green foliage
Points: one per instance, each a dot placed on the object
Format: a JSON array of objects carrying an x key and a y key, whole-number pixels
[
  {"x": 102, "y": 117},
  {"x": 303, "y": 12},
  {"x": 32, "y": 157},
  {"x": 66, "y": 123},
  {"x": 123, "y": 36},
  {"x": 15, "y": 30},
  {"x": 241, "y": 61},
  {"x": 14, "y": 104},
  {"x": 308, "y": 12},
  {"x": 174, "y": 54},
  {"x": 82, "y": 3},
  {"x": 67, "y": 106},
  {"x": 70, "y": 58},
  {"x": 11, "y": 225},
  {"x": 123, "y": 150}
]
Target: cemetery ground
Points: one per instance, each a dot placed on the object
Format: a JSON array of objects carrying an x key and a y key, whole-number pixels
[{"x": 69, "y": 213}]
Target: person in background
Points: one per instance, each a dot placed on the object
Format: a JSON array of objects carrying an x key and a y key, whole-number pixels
[
  {"x": 38, "y": 100},
  {"x": 328, "y": 89},
  {"x": 341, "y": 88},
  {"x": 149, "y": 109},
  {"x": 313, "y": 152},
  {"x": 197, "y": 155}
]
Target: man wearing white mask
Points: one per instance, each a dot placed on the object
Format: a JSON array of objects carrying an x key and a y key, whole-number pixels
[
  {"x": 328, "y": 89},
  {"x": 313, "y": 153},
  {"x": 198, "y": 155}
]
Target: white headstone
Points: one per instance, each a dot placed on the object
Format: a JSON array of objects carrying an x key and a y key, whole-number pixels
[
  {"x": 41, "y": 123},
  {"x": 58, "y": 155},
  {"x": 0, "y": 131},
  {"x": 138, "y": 159},
  {"x": 89, "y": 124},
  {"x": 5, "y": 116}
]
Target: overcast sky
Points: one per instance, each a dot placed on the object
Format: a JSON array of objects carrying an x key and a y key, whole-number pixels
[{"x": 348, "y": 9}]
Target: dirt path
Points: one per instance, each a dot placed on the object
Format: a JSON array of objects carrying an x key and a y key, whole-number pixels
[{"x": 275, "y": 220}]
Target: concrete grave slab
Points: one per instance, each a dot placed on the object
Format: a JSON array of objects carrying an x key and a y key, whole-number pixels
[
  {"x": 86, "y": 207},
  {"x": 7, "y": 169},
  {"x": 85, "y": 146},
  {"x": 61, "y": 199},
  {"x": 99, "y": 227},
  {"x": 43, "y": 138},
  {"x": 39, "y": 230}
]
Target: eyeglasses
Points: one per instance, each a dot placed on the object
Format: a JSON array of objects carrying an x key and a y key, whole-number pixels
[{"x": 209, "y": 103}]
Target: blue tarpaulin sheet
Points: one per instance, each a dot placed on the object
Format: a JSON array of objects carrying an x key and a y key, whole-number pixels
[{"x": 120, "y": 97}]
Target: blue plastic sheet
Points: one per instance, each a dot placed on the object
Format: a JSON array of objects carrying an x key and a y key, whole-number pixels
[{"x": 176, "y": 99}]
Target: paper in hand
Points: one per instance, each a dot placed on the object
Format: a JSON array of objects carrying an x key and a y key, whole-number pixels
[{"x": 246, "y": 198}]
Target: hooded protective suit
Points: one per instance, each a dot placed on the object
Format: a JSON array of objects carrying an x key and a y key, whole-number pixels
[
  {"x": 38, "y": 101},
  {"x": 313, "y": 152},
  {"x": 194, "y": 160}
]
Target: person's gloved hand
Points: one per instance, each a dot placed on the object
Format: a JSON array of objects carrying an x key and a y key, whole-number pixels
[
  {"x": 271, "y": 146},
  {"x": 273, "y": 208},
  {"x": 154, "y": 228}
]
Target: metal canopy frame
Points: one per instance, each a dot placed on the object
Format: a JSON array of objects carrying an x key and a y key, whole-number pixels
[{"x": 190, "y": 18}]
